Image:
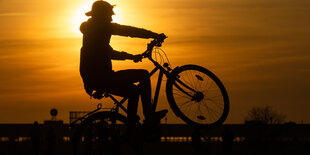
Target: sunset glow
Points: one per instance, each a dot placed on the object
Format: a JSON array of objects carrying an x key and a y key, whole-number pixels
[
  {"x": 80, "y": 16},
  {"x": 259, "y": 49}
]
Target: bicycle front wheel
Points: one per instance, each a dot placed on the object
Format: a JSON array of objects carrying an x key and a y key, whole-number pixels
[{"x": 197, "y": 96}]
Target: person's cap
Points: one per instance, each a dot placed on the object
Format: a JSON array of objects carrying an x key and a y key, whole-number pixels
[{"x": 101, "y": 7}]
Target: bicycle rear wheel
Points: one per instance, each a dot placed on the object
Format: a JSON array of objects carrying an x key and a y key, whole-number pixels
[
  {"x": 105, "y": 120},
  {"x": 99, "y": 129},
  {"x": 197, "y": 96}
]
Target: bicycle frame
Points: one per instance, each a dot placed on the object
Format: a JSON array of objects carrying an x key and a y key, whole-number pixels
[
  {"x": 165, "y": 69},
  {"x": 162, "y": 71}
]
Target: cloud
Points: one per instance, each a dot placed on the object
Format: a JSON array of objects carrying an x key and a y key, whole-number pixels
[
  {"x": 13, "y": 14},
  {"x": 38, "y": 66}
]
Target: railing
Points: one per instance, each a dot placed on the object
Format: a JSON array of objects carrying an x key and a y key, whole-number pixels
[
  {"x": 172, "y": 132},
  {"x": 175, "y": 139}
]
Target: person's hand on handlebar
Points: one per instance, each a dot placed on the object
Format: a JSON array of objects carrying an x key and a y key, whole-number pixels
[
  {"x": 137, "y": 58},
  {"x": 158, "y": 40},
  {"x": 161, "y": 37}
]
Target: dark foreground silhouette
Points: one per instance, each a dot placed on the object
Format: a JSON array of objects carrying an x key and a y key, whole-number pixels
[{"x": 175, "y": 139}]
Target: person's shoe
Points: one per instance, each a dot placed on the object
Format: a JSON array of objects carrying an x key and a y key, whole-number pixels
[
  {"x": 159, "y": 115},
  {"x": 155, "y": 118}
]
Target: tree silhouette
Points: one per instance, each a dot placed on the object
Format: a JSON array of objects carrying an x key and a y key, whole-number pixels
[{"x": 265, "y": 115}]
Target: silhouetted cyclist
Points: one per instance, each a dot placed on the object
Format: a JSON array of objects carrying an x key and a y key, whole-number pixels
[{"x": 96, "y": 67}]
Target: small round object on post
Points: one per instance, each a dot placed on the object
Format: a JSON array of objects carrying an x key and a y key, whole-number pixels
[{"x": 54, "y": 113}]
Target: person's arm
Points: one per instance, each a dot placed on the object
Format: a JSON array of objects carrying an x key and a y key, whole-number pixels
[
  {"x": 130, "y": 31},
  {"x": 116, "y": 55},
  {"x": 83, "y": 27}
]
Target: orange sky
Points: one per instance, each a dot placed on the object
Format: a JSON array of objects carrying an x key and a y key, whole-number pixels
[{"x": 259, "y": 49}]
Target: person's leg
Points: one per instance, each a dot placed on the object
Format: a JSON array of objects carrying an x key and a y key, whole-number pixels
[
  {"x": 145, "y": 88},
  {"x": 129, "y": 90},
  {"x": 143, "y": 77},
  {"x": 122, "y": 84}
]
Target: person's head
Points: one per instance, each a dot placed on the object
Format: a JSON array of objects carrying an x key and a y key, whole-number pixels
[{"x": 101, "y": 10}]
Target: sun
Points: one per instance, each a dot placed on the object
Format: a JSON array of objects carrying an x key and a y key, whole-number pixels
[
  {"x": 117, "y": 17},
  {"x": 79, "y": 16}
]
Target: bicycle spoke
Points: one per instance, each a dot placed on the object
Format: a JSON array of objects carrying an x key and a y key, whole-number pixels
[
  {"x": 197, "y": 80},
  {"x": 194, "y": 80},
  {"x": 200, "y": 113},
  {"x": 189, "y": 79},
  {"x": 185, "y": 105},
  {"x": 194, "y": 111},
  {"x": 217, "y": 96},
  {"x": 185, "y": 86},
  {"x": 207, "y": 110},
  {"x": 213, "y": 110},
  {"x": 182, "y": 91},
  {"x": 202, "y": 83},
  {"x": 185, "y": 109},
  {"x": 216, "y": 109},
  {"x": 212, "y": 94},
  {"x": 181, "y": 95},
  {"x": 186, "y": 82},
  {"x": 209, "y": 117},
  {"x": 212, "y": 83},
  {"x": 206, "y": 84},
  {"x": 212, "y": 101}
]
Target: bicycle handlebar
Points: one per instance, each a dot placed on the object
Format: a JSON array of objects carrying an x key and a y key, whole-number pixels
[{"x": 156, "y": 42}]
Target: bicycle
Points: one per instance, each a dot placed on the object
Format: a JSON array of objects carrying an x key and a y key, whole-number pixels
[{"x": 194, "y": 94}]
